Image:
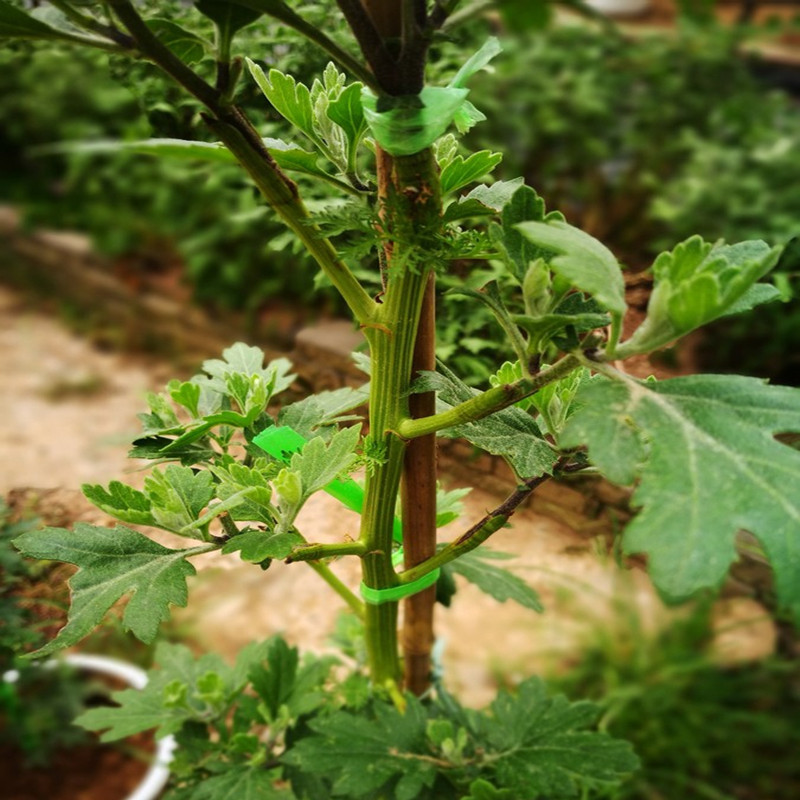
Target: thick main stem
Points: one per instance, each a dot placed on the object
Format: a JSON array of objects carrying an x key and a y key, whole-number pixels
[{"x": 410, "y": 214}]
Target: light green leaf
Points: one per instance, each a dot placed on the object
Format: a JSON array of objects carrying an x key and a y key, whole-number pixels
[
  {"x": 292, "y": 100},
  {"x": 460, "y": 172},
  {"x": 248, "y": 361},
  {"x": 316, "y": 414},
  {"x": 319, "y": 463},
  {"x": 121, "y": 501},
  {"x": 169, "y": 699},
  {"x": 347, "y": 113},
  {"x": 756, "y": 295},
  {"x": 189, "y": 47},
  {"x": 482, "y": 790},
  {"x": 707, "y": 466},
  {"x": 582, "y": 260},
  {"x": 499, "y": 583},
  {"x": 490, "y": 48},
  {"x": 112, "y": 563},
  {"x": 695, "y": 283},
  {"x": 178, "y": 495},
  {"x": 256, "y": 546},
  {"x": 251, "y": 484}
]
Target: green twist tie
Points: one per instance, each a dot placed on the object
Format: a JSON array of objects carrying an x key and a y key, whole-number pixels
[
  {"x": 408, "y": 124},
  {"x": 394, "y": 593}
]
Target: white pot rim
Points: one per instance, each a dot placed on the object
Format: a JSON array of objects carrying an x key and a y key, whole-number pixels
[{"x": 156, "y": 777}]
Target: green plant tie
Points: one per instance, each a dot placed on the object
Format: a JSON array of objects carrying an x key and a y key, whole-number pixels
[
  {"x": 409, "y": 124},
  {"x": 394, "y": 593}
]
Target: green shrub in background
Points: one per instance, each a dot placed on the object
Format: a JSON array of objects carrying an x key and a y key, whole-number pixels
[
  {"x": 232, "y": 468},
  {"x": 640, "y": 141}
]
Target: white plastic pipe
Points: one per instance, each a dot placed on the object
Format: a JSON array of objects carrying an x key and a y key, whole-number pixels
[{"x": 156, "y": 777}]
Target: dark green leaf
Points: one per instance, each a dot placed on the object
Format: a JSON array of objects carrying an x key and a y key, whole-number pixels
[
  {"x": 186, "y": 45},
  {"x": 510, "y": 433},
  {"x": 112, "y": 564},
  {"x": 242, "y": 783},
  {"x": 541, "y": 745},
  {"x": 362, "y": 756},
  {"x": 16, "y": 24},
  {"x": 707, "y": 466},
  {"x": 524, "y": 206},
  {"x": 229, "y": 17},
  {"x": 499, "y": 583}
]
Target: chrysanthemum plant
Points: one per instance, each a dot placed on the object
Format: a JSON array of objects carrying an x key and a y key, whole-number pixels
[{"x": 231, "y": 474}]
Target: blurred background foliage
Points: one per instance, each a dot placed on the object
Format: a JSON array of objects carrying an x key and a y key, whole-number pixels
[{"x": 641, "y": 140}]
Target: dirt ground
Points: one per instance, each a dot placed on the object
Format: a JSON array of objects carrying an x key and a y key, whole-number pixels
[{"x": 69, "y": 412}]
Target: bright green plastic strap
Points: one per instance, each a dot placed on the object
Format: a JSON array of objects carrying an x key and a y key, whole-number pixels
[
  {"x": 408, "y": 124},
  {"x": 280, "y": 441},
  {"x": 394, "y": 593}
]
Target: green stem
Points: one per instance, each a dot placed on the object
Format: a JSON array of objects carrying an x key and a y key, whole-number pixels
[
  {"x": 488, "y": 402},
  {"x": 327, "y": 575},
  {"x": 407, "y": 219},
  {"x": 283, "y": 198},
  {"x": 314, "y": 552},
  {"x": 477, "y": 534},
  {"x": 284, "y": 14},
  {"x": 235, "y": 131}
]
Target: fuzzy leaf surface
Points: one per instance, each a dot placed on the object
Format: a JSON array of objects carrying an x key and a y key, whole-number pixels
[
  {"x": 112, "y": 563},
  {"x": 542, "y": 746},
  {"x": 460, "y": 171},
  {"x": 255, "y": 545},
  {"x": 178, "y": 495},
  {"x": 511, "y": 433},
  {"x": 581, "y": 259},
  {"x": 499, "y": 583},
  {"x": 697, "y": 282},
  {"x": 121, "y": 501},
  {"x": 292, "y": 100},
  {"x": 241, "y": 783},
  {"x": 362, "y": 755},
  {"x": 707, "y": 465}
]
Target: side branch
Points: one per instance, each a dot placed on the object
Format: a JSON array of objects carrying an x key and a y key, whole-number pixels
[
  {"x": 239, "y": 136},
  {"x": 314, "y": 552},
  {"x": 478, "y": 533},
  {"x": 488, "y": 402}
]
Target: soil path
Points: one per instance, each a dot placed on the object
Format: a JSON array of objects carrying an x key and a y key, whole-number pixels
[{"x": 69, "y": 412}]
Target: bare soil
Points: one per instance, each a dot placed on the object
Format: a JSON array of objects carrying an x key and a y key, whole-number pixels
[{"x": 69, "y": 412}]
